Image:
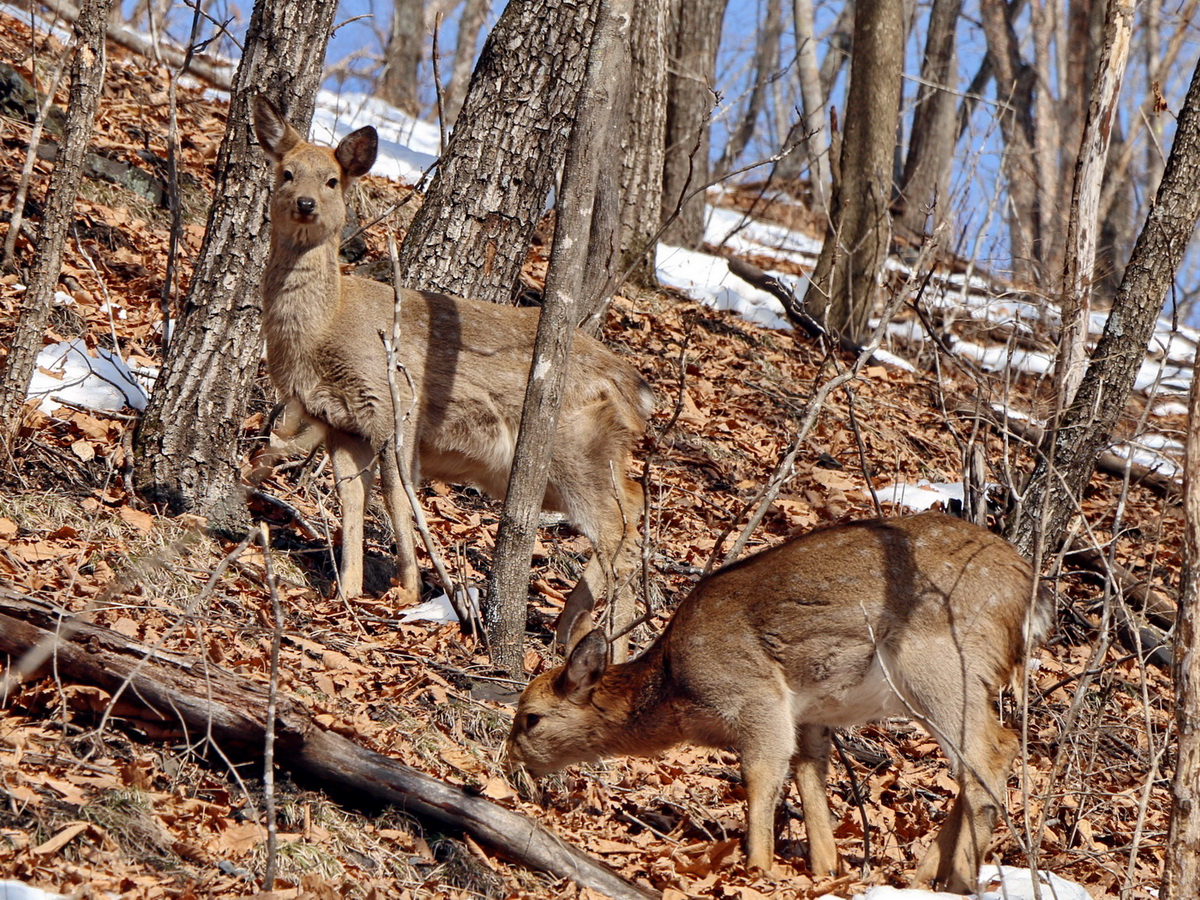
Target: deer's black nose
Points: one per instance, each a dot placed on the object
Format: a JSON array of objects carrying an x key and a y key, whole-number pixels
[{"x": 306, "y": 205}]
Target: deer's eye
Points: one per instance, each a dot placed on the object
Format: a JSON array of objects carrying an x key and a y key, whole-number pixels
[
  {"x": 287, "y": 175},
  {"x": 331, "y": 183},
  {"x": 531, "y": 720}
]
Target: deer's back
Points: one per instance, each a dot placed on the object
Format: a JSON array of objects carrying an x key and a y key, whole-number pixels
[
  {"x": 838, "y": 612},
  {"x": 469, "y": 363}
]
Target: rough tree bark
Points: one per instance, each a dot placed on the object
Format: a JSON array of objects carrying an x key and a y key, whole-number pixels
[
  {"x": 472, "y": 232},
  {"x": 565, "y": 280},
  {"x": 172, "y": 694},
  {"x": 87, "y": 79},
  {"x": 398, "y": 83},
  {"x": 694, "y": 36},
  {"x": 186, "y": 446},
  {"x": 1181, "y": 866},
  {"x": 1084, "y": 217},
  {"x": 643, "y": 155},
  {"x": 925, "y": 185},
  {"x": 842, "y": 289},
  {"x": 1068, "y": 454}
]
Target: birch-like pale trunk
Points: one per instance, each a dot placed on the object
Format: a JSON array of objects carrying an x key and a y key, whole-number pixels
[{"x": 1084, "y": 223}]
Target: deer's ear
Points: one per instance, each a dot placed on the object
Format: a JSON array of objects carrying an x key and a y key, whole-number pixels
[
  {"x": 274, "y": 132},
  {"x": 585, "y": 666},
  {"x": 356, "y": 153}
]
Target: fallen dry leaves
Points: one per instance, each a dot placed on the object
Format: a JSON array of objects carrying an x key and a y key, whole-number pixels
[{"x": 95, "y": 801}]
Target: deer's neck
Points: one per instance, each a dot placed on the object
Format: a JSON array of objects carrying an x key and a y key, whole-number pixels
[
  {"x": 640, "y": 706},
  {"x": 301, "y": 295}
]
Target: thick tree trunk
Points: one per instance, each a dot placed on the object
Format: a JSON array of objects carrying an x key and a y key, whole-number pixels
[
  {"x": 1069, "y": 452},
  {"x": 843, "y": 285},
  {"x": 186, "y": 446},
  {"x": 925, "y": 187},
  {"x": 1181, "y": 867},
  {"x": 565, "y": 280},
  {"x": 695, "y": 35},
  {"x": 171, "y": 693},
  {"x": 472, "y": 233},
  {"x": 87, "y": 79},
  {"x": 643, "y": 154},
  {"x": 402, "y": 56}
]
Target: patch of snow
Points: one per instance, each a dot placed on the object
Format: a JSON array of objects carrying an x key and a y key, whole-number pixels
[
  {"x": 922, "y": 495},
  {"x": 16, "y": 890},
  {"x": 1000, "y": 883},
  {"x": 1169, "y": 408},
  {"x": 105, "y": 382},
  {"x": 708, "y": 279},
  {"x": 407, "y": 147},
  {"x": 438, "y": 609},
  {"x": 999, "y": 357}
]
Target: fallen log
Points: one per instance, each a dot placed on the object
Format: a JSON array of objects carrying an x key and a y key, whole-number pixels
[{"x": 175, "y": 691}]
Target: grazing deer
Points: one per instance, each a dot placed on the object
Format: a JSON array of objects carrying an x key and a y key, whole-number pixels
[
  {"x": 925, "y": 616},
  {"x": 468, "y": 363}
]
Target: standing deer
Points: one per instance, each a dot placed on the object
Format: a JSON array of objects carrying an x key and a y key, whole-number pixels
[
  {"x": 468, "y": 363},
  {"x": 925, "y": 616}
]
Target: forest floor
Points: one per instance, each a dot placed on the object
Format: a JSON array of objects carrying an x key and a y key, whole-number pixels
[{"x": 96, "y": 806}]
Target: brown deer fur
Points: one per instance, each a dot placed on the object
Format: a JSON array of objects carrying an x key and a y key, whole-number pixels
[
  {"x": 925, "y": 616},
  {"x": 468, "y": 362}
]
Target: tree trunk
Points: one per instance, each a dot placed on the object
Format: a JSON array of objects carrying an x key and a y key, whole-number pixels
[
  {"x": 87, "y": 79},
  {"x": 472, "y": 233},
  {"x": 168, "y": 693},
  {"x": 1084, "y": 222},
  {"x": 1069, "y": 452},
  {"x": 398, "y": 84},
  {"x": 509, "y": 587},
  {"x": 187, "y": 443},
  {"x": 811, "y": 129},
  {"x": 925, "y": 185},
  {"x": 843, "y": 285},
  {"x": 1181, "y": 866},
  {"x": 1014, "y": 92},
  {"x": 766, "y": 64},
  {"x": 695, "y": 35},
  {"x": 643, "y": 154},
  {"x": 470, "y": 23}
]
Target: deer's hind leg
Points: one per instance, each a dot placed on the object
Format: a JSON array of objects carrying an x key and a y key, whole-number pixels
[
  {"x": 810, "y": 767},
  {"x": 353, "y": 464},
  {"x": 958, "y": 710}
]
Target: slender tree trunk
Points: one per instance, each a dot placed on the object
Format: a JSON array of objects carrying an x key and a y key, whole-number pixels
[
  {"x": 1014, "y": 92},
  {"x": 1063, "y": 468},
  {"x": 643, "y": 154},
  {"x": 1047, "y": 150},
  {"x": 505, "y": 613},
  {"x": 398, "y": 84},
  {"x": 470, "y": 23},
  {"x": 1181, "y": 867},
  {"x": 187, "y": 443},
  {"x": 811, "y": 130},
  {"x": 695, "y": 34},
  {"x": 766, "y": 64},
  {"x": 472, "y": 233},
  {"x": 87, "y": 79},
  {"x": 1079, "y": 258},
  {"x": 925, "y": 186},
  {"x": 844, "y": 282}
]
